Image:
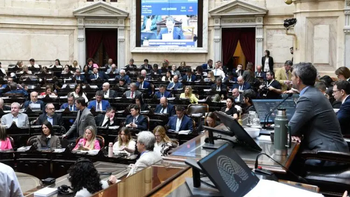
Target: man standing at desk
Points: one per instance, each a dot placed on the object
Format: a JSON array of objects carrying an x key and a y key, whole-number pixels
[
  {"x": 84, "y": 119},
  {"x": 314, "y": 118},
  {"x": 20, "y": 119}
]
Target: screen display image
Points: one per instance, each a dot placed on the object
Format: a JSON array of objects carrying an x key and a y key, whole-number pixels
[
  {"x": 264, "y": 106},
  {"x": 169, "y": 23}
]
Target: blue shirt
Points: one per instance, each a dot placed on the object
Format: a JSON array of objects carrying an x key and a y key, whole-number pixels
[
  {"x": 303, "y": 90},
  {"x": 50, "y": 120}
]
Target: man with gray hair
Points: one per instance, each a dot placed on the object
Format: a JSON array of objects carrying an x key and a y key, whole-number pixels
[
  {"x": 145, "y": 145},
  {"x": 133, "y": 92},
  {"x": 107, "y": 92},
  {"x": 314, "y": 118},
  {"x": 123, "y": 75},
  {"x": 20, "y": 119}
]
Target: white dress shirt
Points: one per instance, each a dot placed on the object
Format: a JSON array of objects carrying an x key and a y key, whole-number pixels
[
  {"x": 99, "y": 106},
  {"x": 164, "y": 110},
  {"x": 178, "y": 124},
  {"x": 9, "y": 183},
  {"x": 267, "y": 66}
]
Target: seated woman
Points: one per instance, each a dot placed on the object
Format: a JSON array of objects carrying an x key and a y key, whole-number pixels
[
  {"x": 230, "y": 108},
  {"x": 125, "y": 143},
  {"x": 163, "y": 143},
  {"x": 85, "y": 179},
  {"x": 167, "y": 77},
  {"x": 210, "y": 120},
  {"x": 78, "y": 92},
  {"x": 248, "y": 95},
  {"x": 140, "y": 102},
  {"x": 189, "y": 95},
  {"x": 48, "y": 91},
  {"x": 89, "y": 141},
  {"x": 5, "y": 142},
  {"x": 210, "y": 77},
  {"x": 47, "y": 139},
  {"x": 66, "y": 70}
]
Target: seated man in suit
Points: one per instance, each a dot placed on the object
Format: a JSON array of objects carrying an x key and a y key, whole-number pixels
[
  {"x": 121, "y": 86},
  {"x": 77, "y": 77},
  {"x": 98, "y": 75},
  {"x": 174, "y": 32},
  {"x": 260, "y": 73},
  {"x": 70, "y": 103},
  {"x": 237, "y": 96},
  {"x": 34, "y": 103},
  {"x": 131, "y": 64},
  {"x": 99, "y": 104},
  {"x": 113, "y": 70},
  {"x": 20, "y": 119},
  {"x": 189, "y": 76},
  {"x": 133, "y": 92},
  {"x": 32, "y": 64},
  {"x": 107, "y": 92},
  {"x": 145, "y": 75},
  {"x": 145, "y": 146},
  {"x": 142, "y": 84},
  {"x": 341, "y": 91},
  {"x": 124, "y": 76},
  {"x": 84, "y": 119},
  {"x": 162, "y": 92},
  {"x": 135, "y": 120},
  {"x": 218, "y": 86},
  {"x": 164, "y": 107},
  {"x": 208, "y": 65},
  {"x": 180, "y": 122},
  {"x": 51, "y": 117},
  {"x": 241, "y": 85},
  {"x": 314, "y": 118},
  {"x": 175, "y": 85},
  {"x": 16, "y": 89},
  {"x": 107, "y": 119},
  {"x": 146, "y": 65}
]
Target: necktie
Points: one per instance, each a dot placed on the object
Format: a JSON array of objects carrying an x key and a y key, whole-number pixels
[
  {"x": 240, "y": 87},
  {"x": 162, "y": 95},
  {"x": 98, "y": 106},
  {"x": 71, "y": 108},
  {"x": 107, "y": 123},
  {"x": 132, "y": 94}
]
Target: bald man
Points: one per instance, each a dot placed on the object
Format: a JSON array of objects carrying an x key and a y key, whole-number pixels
[
  {"x": 241, "y": 85},
  {"x": 164, "y": 107},
  {"x": 107, "y": 92},
  {"x": 34, "y": 103},
  {"x": 259, "y": 73}
]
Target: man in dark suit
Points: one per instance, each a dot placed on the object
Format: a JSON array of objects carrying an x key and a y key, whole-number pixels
[
  {"x": 108, "y": 119},
  {"x": 237, "y": 96},
  {"x": 175, "y": 85},
  {"x": 109, "y": 63},
  {"x": 123, "y": 76},
  {"x": 241, "y": 85},
  {"x": 162, "y": 92},
  {"x": 314, "y": 118},
  {"x": 164, "y": 107},
  {"x": 78, "y": 76},
  {"x": 143, "y": 85},
  {"x": 267, "y": 62},
  {"x": 208, "y": 65},
  {"x": 133, "y": 92},
  {"x": 259, "y": 73},
  {"x": 84, "y": 119},
  {"x": 107, "y": 92},
  {"x": 70, "y": 104},
  {"x": 146, "y": 65},
  {"x": 189, "y": 76},
  {"x": 135, "y": 120},
  {"x": 98, "y": 75},
  {"x": 131, "y": 64},
  {"x": 218, "y": 86},
  {"x": 99, "y": 104},
  {"x": 180, "y": 122},
  {"x": 341, "y": 91},
  {"x": 34, "y": 103},
  {"x": 51, "y": 117}
]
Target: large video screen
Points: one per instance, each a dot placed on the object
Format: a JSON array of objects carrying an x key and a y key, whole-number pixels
[{"x": 169, "y": 23}]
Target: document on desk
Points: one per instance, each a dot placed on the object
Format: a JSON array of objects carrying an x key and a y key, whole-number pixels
[
  {"x": 45, "y": 192},
  {"x": 267, "y": 188}
]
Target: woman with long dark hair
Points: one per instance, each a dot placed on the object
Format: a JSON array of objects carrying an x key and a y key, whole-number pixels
[
  {"x": 47, "y": 139},
  {"x": 78, "y": 92}
]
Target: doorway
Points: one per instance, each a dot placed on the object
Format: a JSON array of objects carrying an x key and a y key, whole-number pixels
[
  {"x": 238, "y": 46},
  {"x": 101, "y": 44}
]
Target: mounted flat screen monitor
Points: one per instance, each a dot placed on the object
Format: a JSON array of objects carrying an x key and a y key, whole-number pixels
[
  {"x": 264, "y": 106},
  {"x": 169, "y": 23}
]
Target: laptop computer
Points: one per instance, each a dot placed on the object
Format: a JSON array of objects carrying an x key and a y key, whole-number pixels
[
  {"x": 264, "y": 106},
  {"x": 241, "y": 135}
]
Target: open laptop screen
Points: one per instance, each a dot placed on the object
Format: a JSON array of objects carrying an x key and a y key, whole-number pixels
[{"x": 264, "y": 106}]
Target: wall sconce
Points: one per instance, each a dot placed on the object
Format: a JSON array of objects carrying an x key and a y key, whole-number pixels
[{"x": 288, "y": 23}]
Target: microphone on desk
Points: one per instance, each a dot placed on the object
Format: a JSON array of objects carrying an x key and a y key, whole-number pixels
[{"x": 279, "y": 104}]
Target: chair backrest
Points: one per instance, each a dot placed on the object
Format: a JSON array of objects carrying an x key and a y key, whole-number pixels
[
  {"x": 148, "y": 121},
  {"x": 12, "y": 141},
  {"x": 31, "y": 140},
  {"x": 197, "y": 108},
  {"x": 101, "y": 140}
]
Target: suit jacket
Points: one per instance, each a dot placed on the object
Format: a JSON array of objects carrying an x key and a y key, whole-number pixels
[
  {"x": 82, "y": 78},
  {"x": 146, "y": 159},
  {"x": 27, "y": 103},
  {"x": 315, "y": 119},
  {"x": 65, "y": 105},
  {"x": 128, "y": 93},
  {"x": 125, "y": 77},
  {"x": 84, "y": 119},
  {"x": 146, "y": 66},
  {"x": 175, "y": 86},
  {"x": 54, "y": 142},
  {"x": 101, "y": 75},
  {"x": 141, "y": 121},
  {"x": 262, "y": 75},
  {"x": 57, "y": 119},
  {"x": 281, "y": 77},
  {"x": 270, "y": 63},
  {"x": 166, "y": 94},
  {"x": 186, "y": 123},
  {"x": 170, "y": 109},
  {"x": 146, "y": 85},
  {"x": 186, "y": 78},
  {"x": 22, "y": 120},
  {"x": 105, "y": 104},
  {"x": 177, "y": 33},
  {"x": 246, "y": 86},
  {"x": 112, "y": 94},
  {"x": 100, "y": 118},
  {"x": 343, "y": 116},
  {"x": 223, "y": 88}
]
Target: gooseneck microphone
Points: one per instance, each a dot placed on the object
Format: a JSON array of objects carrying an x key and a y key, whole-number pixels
[{"x": 279, "y": 104}]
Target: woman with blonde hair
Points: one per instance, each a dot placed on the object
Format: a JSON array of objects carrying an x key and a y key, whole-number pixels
[
  {"x": 210, "y": 77},
  {"x": 163, "y": 143},
  {"x": 5, "y": 142},
  {"x": 89, "y": 141},
  {"x": 189, "y": 95},
  {"x": 125, "y": 143}
]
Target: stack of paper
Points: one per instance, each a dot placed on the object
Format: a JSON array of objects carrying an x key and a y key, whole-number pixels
[{"x": 45, "y": 192}]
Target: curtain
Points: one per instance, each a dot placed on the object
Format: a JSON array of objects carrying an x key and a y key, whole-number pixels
[
  {"x": 230, "y": 39},
  {"x": 247, "y": 40},
  {"x": 93, "y": 41},
  {"x": 110, "y": 43}
]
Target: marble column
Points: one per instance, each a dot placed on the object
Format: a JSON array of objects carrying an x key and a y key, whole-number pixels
[
  {"x": 81, "y": 42},
  {"x": 121, "y": 47},
  {"x": 347, "y": 34},
  {"x": 259, "y": 46},
  {"x": 217, "y": 40}
]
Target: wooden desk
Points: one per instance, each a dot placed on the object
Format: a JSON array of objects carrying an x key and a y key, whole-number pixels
[{"x": 193, "y": 149}]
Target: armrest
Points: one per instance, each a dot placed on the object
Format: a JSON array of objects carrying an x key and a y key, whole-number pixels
[{"x": 327, "y": 156}]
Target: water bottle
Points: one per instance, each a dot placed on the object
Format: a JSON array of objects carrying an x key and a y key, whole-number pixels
[
  {"x": 110, "y": 149},
  {"x": 281, "y": 141}
]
